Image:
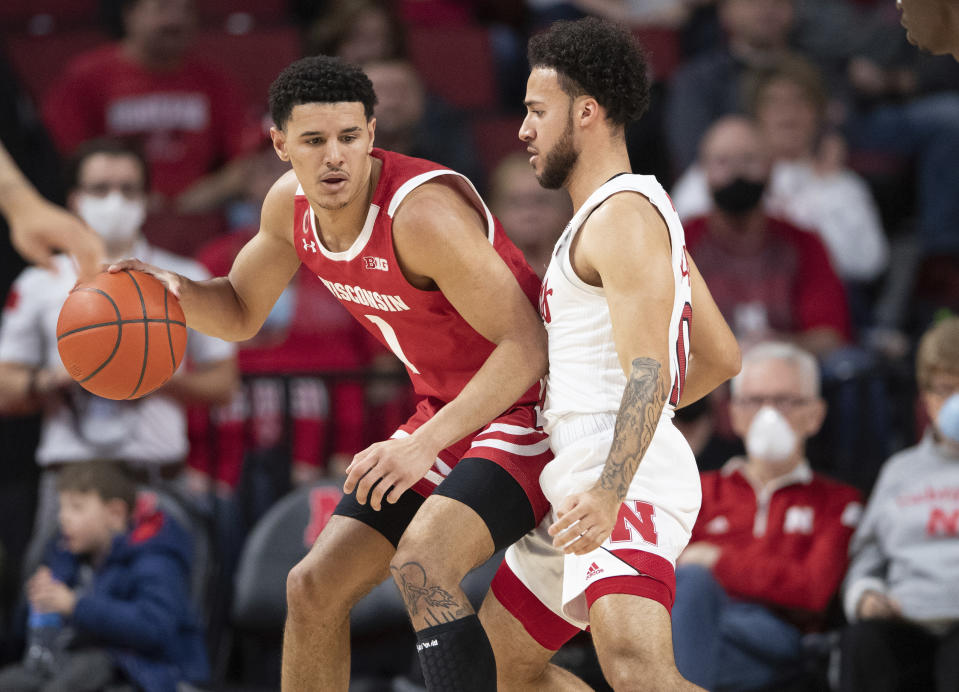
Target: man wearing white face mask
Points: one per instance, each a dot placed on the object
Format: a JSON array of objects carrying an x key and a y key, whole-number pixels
[
  {"x": 768, "y": 551},
  {"x": 107, "y": 183}
]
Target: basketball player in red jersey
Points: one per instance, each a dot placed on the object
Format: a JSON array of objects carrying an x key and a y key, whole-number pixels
[
  {"x": 633, "y": 334},
  {"x": 411, "y": 250}
]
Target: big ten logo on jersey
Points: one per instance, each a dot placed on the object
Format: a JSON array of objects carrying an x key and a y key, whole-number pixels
[
  {"x": 379, "y": 263},
  {"x": 634, "y": 523},
  {"x": 323, "y": 501},
  {"x": 544, "y": 293}
]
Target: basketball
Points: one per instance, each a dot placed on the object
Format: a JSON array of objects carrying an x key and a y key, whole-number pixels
[{"x": 120, "y": 336}]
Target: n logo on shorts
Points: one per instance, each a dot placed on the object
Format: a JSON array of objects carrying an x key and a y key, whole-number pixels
[{"x": 634, "y": 523}]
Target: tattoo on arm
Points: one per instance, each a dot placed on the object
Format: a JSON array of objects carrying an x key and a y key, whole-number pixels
[
  {"x": 639, "y": 412},
  {"x": 439, "y": 605}
]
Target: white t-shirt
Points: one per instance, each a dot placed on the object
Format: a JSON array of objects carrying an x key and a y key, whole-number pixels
[{"x": 83, "y": 426}]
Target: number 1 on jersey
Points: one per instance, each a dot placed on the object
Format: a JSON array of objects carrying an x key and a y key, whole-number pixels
[{"x": 389, "y": 335}]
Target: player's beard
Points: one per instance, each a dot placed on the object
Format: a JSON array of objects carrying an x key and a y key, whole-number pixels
[{"x": 560, "y": 160}]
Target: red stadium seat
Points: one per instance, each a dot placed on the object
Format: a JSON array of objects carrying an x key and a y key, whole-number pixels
[
  {"x": 456, "y": 63},
  {"x": 662, "y": 47},
  {"x": 255, "y": 58},
  {"x": 495, "y": 138},
  {"x": 241, "y": 16},
  {"x": 44, "y": 16},
  {"x": 39, "y": 60},
  {"x": 434, "y": 13}
]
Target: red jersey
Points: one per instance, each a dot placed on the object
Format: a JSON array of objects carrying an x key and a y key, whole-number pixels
[
  {"x": 440, "y": 350},
  {"x": 786, "y": 546},
  {"x": 189, "y": 120}
]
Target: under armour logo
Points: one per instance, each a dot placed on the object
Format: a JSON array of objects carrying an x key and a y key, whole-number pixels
[{"x": 311, "y": 246}]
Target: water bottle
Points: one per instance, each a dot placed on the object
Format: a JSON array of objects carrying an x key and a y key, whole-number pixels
[{"x": 43, "y": 634}]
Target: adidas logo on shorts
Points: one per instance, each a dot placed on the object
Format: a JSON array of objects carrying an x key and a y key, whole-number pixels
[{"x": 593, "y": 571}]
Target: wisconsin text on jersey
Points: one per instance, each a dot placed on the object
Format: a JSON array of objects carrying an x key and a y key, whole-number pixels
[{"x": 355, "y": 294}]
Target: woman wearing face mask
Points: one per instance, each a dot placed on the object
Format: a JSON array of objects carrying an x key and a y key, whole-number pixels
[
  {"x": 902, "y": 591},
  {"x": 108, "y": 190},
  {"x": 768, "y": 551}
]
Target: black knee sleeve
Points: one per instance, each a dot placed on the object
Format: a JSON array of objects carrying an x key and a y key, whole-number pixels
[{"x": 457, "y": 657}]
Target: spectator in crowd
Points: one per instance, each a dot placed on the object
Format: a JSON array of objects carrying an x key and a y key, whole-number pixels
[
  {"x": 188, "y": 117},
  {"x": 532, "y": 216},
  {"x": 413, "y": 122},
  {"x": 119, "y": 580},
  {"x": 768, "y": 550},
  {"x": 809, "y": 184},
  {"x": 709, "y": 87},
  {"x": 358, "y": 31},
  {"x": 905, "y": 104},
  {"x": 107, "y": 189},
  {"x": 769, "y": 278},
  {"x": 902, "y": 590}
]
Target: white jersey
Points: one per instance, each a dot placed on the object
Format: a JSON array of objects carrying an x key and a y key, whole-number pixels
[
  {"x": 585, "y": 375},
  {"x": 583, "y": 394},
  {"x": 82, "y": 426}
]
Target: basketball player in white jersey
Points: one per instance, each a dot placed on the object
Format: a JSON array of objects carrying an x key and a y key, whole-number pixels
[{"x": 632, "y": 332}]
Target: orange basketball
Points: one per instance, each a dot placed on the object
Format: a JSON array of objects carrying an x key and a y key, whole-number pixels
[{"x": 121, "y": 335}]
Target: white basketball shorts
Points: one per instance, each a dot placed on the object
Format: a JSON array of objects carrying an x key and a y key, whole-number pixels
[{"x": 550, "y": 592}]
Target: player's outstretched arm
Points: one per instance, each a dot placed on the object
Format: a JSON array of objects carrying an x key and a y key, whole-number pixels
[
  {"x": 438, "y": 235},
  {"x": 39, "y": 228},
  {"x": 234, "y": 307},
  {"x": 635, "y": 271},
  {"x": 713, "y": 350}
]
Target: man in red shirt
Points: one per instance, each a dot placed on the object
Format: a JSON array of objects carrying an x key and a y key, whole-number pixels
[
  {"x": 187, "y": 116},
  {"x": 769, "y": 278},
  {"x": 769, "y": 548}
]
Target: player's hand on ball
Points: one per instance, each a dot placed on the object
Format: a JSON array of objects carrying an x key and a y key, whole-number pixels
[
  {"x": 389, "y": 469},
  {"x": 171, "y": 280},
  {"x": 585, "y": 520}
]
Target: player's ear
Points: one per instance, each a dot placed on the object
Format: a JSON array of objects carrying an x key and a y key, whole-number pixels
[
  {"x": 371, "y": 128},
  {"x": 279, "y": 143},
  {"x": 587, "y": 110}
]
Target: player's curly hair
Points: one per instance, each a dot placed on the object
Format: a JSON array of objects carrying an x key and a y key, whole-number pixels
[
  {"x": 319, "y": 79},
  {"x": 596, "y": 57}
]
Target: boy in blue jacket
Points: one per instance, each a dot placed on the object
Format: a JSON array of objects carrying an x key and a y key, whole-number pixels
[{"x": 119, "y": 580}]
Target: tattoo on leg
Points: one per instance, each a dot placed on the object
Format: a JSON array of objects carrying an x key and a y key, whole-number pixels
[{"x": 441, "y": 606}]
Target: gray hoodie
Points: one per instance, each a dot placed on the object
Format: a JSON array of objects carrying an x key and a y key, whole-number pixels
[{"x": 907, "y": 543}]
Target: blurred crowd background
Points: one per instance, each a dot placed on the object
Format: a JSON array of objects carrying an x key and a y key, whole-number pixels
[{"x": 812, "y": 153}]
